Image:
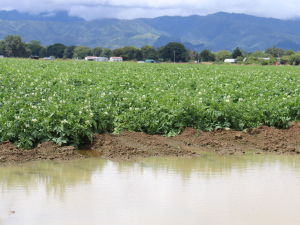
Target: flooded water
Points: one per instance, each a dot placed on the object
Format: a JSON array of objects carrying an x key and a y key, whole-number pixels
[{"x": 212, "y": 190}]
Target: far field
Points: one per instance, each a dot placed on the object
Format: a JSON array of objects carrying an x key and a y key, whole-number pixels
[{"x": 68, "y": 102}]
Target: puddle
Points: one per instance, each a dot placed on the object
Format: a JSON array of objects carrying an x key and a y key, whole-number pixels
[
  {"x": 227, "y": 190},
  {"x": 89, "y": 153}
]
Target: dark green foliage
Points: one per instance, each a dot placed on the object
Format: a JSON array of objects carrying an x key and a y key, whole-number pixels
[
  {"x": 69, "y": 52},
  {"x": 236, "y": 53},
  {"x": 69, "y": 101},
  {"x": 35, "y": 47},
  {"x": 138, "y": 55},
  {"x": 259, "y": 54},
  {"x": 14, "y": 46},
  {"x": 129, "y": 51},
  {"x": 97, "y": 51},
  {"x": 107, "y": 52},
  {"x": 149, "y": 52},
  {"x": 294, "y": 59},
  {"x": 167, "y": 52},
  {"x": 289, "y": 52},
  {"x": 43, "y": 52},
  {"x": 56, "y": 50},
  {"x": 206, "y": 56},
  {"x": 118, "y": 52},
  {"x": 82, "y": 51},
  {"x": 275, "y": 52},
  {"x": 222, "y": 55}
]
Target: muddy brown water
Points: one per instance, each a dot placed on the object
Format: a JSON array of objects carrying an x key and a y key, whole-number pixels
[{"x": 213, "y": 189}]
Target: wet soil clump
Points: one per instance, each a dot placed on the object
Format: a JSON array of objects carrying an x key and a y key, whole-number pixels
[
  {"x": 129, "y": 145},
  {"x": 46, "y": 151},
  {"x": 263, "y": 139}
]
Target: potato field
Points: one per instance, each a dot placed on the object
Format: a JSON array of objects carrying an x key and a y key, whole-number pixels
[{"x": 69, "y": 101}]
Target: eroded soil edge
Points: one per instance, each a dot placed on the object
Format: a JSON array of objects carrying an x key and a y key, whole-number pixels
[
  {"x": 132, "y": 145},
  {"x": 46, "y": 151}
]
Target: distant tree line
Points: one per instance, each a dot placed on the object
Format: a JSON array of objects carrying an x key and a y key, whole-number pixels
[{"x": 13, "y": 46}]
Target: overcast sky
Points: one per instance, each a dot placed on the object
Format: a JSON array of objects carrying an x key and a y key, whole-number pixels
[{"x": 130, "y": 9}]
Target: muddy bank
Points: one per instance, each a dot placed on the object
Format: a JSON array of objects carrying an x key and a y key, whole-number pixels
[
  {"x": 10, "y": 154},
  {"x": 263, "y": 139},
  {"x": 131, "y": 145}
]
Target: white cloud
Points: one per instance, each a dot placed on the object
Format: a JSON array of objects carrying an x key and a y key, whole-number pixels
[{"x": 129, "y": 9}]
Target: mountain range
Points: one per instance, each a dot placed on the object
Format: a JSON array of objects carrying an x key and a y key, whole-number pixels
[{"x": 219, "y": 31}]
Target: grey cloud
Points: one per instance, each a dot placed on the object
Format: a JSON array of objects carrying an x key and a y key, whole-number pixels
[{"x": 130, "y": 9}]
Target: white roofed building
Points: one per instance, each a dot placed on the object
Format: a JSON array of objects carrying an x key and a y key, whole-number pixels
[
  {"x": 90, "y": 58},
  {"x": 116, "y": 59},
  {"x": 229, "y": 61},
  {"x": 95, "y": 58}
]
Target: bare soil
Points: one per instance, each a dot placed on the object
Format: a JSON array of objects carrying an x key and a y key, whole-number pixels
[
  {"x": 131, "y": 145},
  {"x": 190, "y": 143},
  {"x": 46, "y": 151}
]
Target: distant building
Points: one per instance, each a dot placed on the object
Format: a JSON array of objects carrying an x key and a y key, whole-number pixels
[
  {"x": 141, "y": 61},
  {"x": 149, "y": 61},
  {"x": 95, "y": 58},
  {"x": 1, "y": 56},
  {"x": 229, "y": 61},
  {"x": 48, "y": 58},
  {"x": 90, "y": 58},
  {"x": 34, "y": 57},
  {"x": 116, "y": 59},
  {"x": 101, "y": 59}
]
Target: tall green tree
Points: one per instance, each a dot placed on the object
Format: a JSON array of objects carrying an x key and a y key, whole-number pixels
[
  {"x": 149, "y": 52},
  {"x": 289, "y": 52},
  {"x": 82, "y": 51},
  {"x": 138, "y": 55},
  {"x": 130, "y": 52},
  {"x": 35, "y": 47},
  {"x": 43, "y": 52},
  {"x": 14, "y": 46},
  {"x": 236, "y": 53},
  {"x": 194, "y": 55},
  {"x": 206, "y": 56},
  {"x": 259, "y": 54},
  {"x": 222, "y": 55},
  {"x": 117, "y": 52},
  {"x": 97, "y": 51},
  {"x": 274, "y": 51},
  {"x": 294, "y": 59},
  {"x": 107, "y": 52},
  {"x": 167, "y": 52},
  {"x": 69, "y": 51},
  {"x": 56, "y": 50}
]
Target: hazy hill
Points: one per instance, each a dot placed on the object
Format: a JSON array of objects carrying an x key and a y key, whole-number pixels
[
  {"x": 61, "y": 16},
  {"x": 214, "y": 32}
]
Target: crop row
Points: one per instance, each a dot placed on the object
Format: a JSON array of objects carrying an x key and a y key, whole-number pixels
[{"x": 68, "y": 102}]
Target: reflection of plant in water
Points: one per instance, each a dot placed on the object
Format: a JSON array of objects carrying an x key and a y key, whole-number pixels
[
  {"x": 57, "y": 177},
  {"x": 213, "y": 164}
]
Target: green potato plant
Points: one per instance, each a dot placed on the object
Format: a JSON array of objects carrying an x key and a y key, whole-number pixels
[{"x": 69, "y": 101}]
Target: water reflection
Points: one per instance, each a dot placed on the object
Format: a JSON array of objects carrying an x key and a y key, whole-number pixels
[
  {"x": 55, "y": 176},
  {"x": 58, "y": 177},
  {"x": 213, "y": 164},
  {"x": 214, "y": 189}
]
